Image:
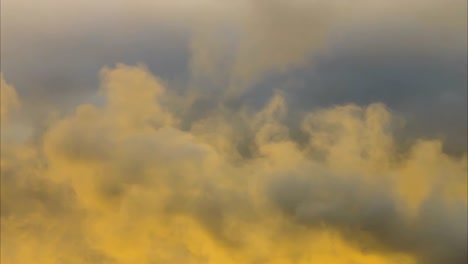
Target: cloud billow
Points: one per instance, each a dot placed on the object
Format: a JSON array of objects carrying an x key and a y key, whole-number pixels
[{"x": 249, "y": 132}]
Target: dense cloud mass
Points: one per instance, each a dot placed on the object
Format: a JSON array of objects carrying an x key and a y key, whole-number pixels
[
  {"x": 123, "y": 183},
  {"x": 251, "y": 132}
]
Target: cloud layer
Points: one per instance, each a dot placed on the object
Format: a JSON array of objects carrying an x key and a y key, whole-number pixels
[
  {"x": 124, "y": 183},
  {"x": 304, "y": 131},
  {"x": 407, "y": 55}
]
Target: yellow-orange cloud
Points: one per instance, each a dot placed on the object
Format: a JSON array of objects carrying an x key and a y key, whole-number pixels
[{"x": 125, "y": 183}]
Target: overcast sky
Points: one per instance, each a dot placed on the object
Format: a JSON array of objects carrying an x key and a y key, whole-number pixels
[{"x": 250, "y": 131}]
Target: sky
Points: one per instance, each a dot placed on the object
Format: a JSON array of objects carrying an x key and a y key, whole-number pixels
[{"x": 248, "y": 131}]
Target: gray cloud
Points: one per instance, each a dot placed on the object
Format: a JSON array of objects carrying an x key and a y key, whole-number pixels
[
  {"x": 371, "y": 217},
  {"x": 410, "y": 63}
]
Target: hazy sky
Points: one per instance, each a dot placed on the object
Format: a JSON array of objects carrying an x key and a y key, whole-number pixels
[{"x": 249, "y": 131}]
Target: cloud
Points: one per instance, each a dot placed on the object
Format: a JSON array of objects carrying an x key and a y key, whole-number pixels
[
  {"x": 9, "y": 101},
  {"x": 278, "y": 35},
  {"x": 324, "y": 53},
  {"x": 125, "y": 182},
  {"x": 272, "y": 133}
]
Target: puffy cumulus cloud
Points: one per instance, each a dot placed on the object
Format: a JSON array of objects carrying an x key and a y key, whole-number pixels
[{"x": 128, "y": 182}]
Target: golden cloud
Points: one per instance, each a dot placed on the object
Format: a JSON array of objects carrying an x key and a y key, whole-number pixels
[{"x": 125, "y": 183}]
